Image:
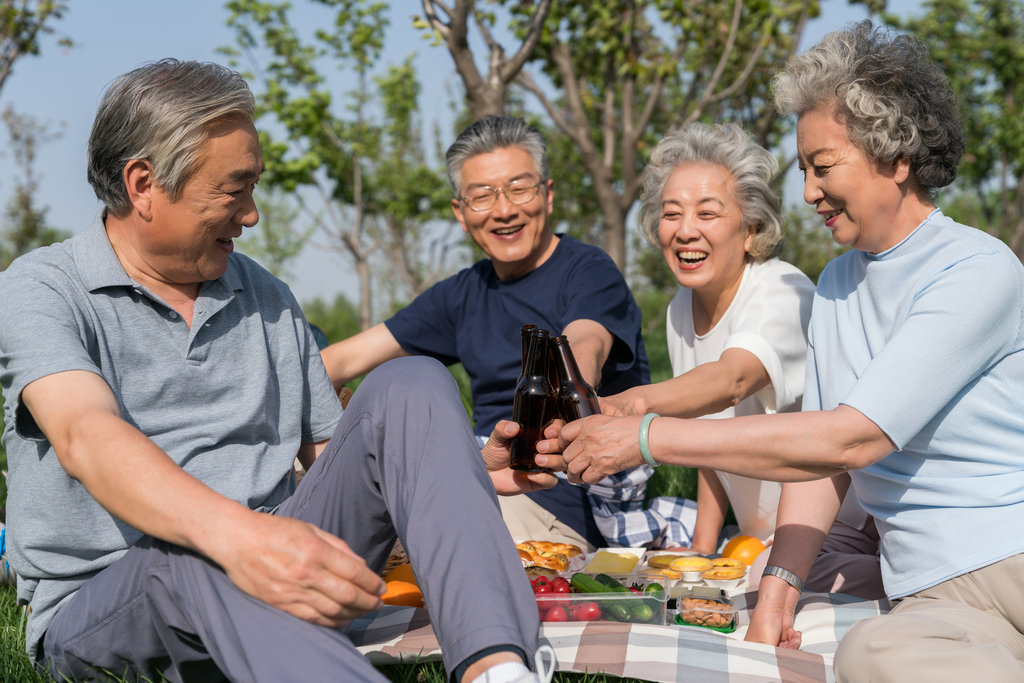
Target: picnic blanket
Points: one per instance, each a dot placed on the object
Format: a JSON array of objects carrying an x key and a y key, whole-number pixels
[{"x": 654, "y": 653}]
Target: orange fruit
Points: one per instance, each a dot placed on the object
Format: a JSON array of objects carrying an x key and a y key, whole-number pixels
[
  {"x": 402, "y": 572},
  {"x": 745, "y": 548},
  {"x": 403, "y": 593}
]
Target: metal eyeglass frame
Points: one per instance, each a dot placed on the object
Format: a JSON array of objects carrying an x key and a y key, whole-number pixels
[{"x": 503, "y": 190}]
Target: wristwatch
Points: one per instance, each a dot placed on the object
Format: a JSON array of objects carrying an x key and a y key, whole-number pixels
[{"x": 786, "y": 575}]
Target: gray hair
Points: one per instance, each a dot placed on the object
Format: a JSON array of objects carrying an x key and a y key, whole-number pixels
[
  {"x": 894, "y": 100},
  {"x": 491, "y": 133},
  {"x": 752, "y": 167},
  {"x": 161, "y": 112}
]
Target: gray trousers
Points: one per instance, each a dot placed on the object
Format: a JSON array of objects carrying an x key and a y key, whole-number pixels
[{"x": 403, "y": 461}]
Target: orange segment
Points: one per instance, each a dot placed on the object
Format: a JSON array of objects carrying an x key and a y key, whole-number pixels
[
  {"x": 402, "y": 572},
  {"x": 403, "y": 593},
  {"x": 745, "y": 548}
]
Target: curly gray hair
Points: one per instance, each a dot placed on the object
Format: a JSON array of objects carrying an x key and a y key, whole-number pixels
[
  {"x": 896, "y": 102},
  {"x": 752, "y": 167},
  {"x": 161, "y": 112}
]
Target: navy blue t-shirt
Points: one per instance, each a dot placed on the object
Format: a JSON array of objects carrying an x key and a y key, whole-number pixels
[{"x": 474, "y": 318}]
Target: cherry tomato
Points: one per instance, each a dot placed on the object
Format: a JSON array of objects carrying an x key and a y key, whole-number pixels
[
  {"x": 552, "y": 601},
  {"x": 541, "y": 588},
  {"x": 587, "y": 611},
  {"x": 560, "y": 585},
  {"x": 556, "y": 614},
  {"x": 636, "y": 590},
  {"x": 539, "y": 580}
]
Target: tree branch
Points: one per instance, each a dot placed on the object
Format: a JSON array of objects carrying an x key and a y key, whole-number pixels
[
  {"x": 435, "y": 23},
  {"x": 512, "y": 66},
  {"x": 730, "y": 43}
]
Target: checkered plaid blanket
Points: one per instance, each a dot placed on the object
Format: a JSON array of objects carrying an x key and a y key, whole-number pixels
[{"x": 654, "y": 653}]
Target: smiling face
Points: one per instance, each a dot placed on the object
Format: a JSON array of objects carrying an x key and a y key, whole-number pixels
[
  {"x": 701, "y": 231},
  {"x": 515, "y": 236},
  {"x": 860, "y": 200},
  {"x": 189, "y": 240}
]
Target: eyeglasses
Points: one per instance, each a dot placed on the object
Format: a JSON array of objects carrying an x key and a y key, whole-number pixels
[{"x": 484, "y": 198}]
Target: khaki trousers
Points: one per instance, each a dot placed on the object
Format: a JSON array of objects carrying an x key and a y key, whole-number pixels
[
  {"x": 970, "y": 628},
  {"x": 528, "y": 521}
]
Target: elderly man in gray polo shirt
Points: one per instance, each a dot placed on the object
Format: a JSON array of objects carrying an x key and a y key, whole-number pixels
[{"x": 158, "y": 388}]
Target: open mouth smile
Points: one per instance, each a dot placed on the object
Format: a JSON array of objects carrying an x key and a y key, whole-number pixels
[
  {"x": 830, "y": 216},
  {"x": 691, "y": 258},
  {"x": 507, "y": 232}
]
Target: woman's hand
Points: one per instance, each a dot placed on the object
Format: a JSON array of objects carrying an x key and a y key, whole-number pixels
[
  {"x": 629, "y": 402},
  {"x": 599, "y": 445},
  {"x": 772, "y": 620},
  {"x": 498, "y": 451},
  {"x": 773, "y": 628}
]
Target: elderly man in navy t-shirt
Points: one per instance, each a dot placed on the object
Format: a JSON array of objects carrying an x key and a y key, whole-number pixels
[{"x": 503, "y": 200}]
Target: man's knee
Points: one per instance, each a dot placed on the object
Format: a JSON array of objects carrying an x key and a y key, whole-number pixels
[{"x": 412, "y": 372}]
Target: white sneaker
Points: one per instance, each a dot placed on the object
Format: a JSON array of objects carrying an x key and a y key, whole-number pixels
[{"x": 543, "y": 674}]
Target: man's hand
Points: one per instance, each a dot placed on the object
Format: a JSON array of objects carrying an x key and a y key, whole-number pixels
[
  {"x": 599, "y": 445},
  {"x": 498, "y": 450},
  {"x": 302, "y": 570}
]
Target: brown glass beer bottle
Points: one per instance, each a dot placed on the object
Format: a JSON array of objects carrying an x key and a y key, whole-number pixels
[
  {"x": 576, "y": 398},
  {"x": 525, "y": 332},
  {"x": 534, "y": 405}
]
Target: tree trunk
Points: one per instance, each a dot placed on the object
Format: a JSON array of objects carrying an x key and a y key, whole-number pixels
[{"x": 363, "y": 270}]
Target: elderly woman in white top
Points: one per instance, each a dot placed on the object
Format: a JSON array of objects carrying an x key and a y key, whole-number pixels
[{"x": 737, "y": 327}]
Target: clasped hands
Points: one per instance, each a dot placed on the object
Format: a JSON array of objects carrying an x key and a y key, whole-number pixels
[{"x": 587, "y": 450}]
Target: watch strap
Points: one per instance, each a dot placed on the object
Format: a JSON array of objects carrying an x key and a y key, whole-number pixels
[{"x": 786, "y": 575}]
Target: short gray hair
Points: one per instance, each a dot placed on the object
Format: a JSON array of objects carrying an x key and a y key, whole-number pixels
[
  {"x": 895, "y": 101},
  {"x": 161, "y": 112},
  {"x": 491, "y": 133},
  {"x": 752, "y": 167}
]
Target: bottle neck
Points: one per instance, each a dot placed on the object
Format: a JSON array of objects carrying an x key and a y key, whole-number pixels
[
  {"x": 537, "y": 361},
  {"x": 568, "y": 370}
]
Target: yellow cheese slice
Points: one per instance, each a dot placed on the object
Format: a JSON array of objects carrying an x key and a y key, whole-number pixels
[{"x": 605, "y": 562}]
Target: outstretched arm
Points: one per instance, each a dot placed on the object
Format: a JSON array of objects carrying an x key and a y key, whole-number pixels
[
  {"x": 360, "y": 353},
  {"x": 591, "y": 343},
  {"x": 782, "y": 447},
  {"x": 284, "y": 562},
  {"x": 706, "y": 389}
]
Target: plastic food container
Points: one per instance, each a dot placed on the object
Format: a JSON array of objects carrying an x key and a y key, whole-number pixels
[
  {"x": 649, "y": 608},
  {"x": 708, "y": 608}
]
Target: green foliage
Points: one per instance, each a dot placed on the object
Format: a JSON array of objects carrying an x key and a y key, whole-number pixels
[
  {"x": 275, "y": 241},
  {"x": 980, "y": 46},
  {"x": 809, "y": 245},
  {"x": 22, "y": 24},
  {"x": 24, "y": 226},
  {"x": 339, "y": 320}
]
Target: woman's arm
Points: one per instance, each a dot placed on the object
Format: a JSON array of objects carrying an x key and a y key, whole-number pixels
[
  {"x": 783, "y": 447},
  {"x": 806, "y": 513},
  {"x": 705, "y": 390}
]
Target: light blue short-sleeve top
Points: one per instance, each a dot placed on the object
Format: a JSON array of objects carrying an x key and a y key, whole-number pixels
[
  {"x": 230, "y": 398},
  {"x": 925, "y": 339}
]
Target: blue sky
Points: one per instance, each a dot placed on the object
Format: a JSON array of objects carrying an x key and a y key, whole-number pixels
[{"x": 114, "y": 36}]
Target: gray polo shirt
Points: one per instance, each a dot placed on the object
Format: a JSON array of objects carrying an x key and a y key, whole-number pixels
[{"x": 230, "y": 400}]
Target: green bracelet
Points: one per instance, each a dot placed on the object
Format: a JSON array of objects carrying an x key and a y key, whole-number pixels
[{"x": 645, "y": 447}]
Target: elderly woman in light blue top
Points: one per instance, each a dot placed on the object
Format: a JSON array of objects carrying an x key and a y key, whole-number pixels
[{"x": 914, "y": 389}]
